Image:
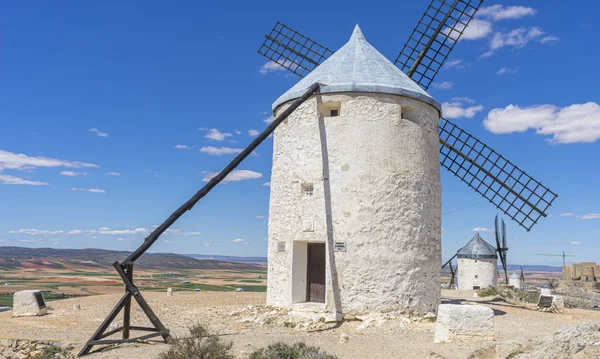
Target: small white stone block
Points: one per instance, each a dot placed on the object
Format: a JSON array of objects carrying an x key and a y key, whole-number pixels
[
  {"x": 169, "y": 292},
  {"x": 28, "y": 303},
  {"x": 559, "y": 301},
  {"x": 463, "y": 321},
  {"x": 76, "y": 307}
]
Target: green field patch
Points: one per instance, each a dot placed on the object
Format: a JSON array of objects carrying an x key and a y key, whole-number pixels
[
  {"x": 6, "y": 300},
  {"x": 89, "y": 274},
  {"x": 254, "y": 288},
  {"x": 250, "y": 281},
  {"x": 206, "y": 287}
]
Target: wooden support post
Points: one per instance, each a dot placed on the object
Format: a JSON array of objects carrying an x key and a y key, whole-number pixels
[{"x": 127, "y": 308}]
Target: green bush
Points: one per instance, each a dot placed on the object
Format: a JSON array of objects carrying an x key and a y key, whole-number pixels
[
  {"x": 199, "y": 345},
  {"x": 55, "y": 352},
  {"x": 286, "y": 351}
]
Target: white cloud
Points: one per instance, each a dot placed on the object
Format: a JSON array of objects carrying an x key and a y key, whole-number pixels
[
  {"x": 575, "y": 243},
  {"x": 518, "y": 38},
  {"x": 505, "y": 71},
  {"x": 98, "y": 132},
  {"x": 72, "y": 173},
  {"x": 446, "y": 85},
  {"x": 239, "y": 240},
  {"x": 236, "y": 175},
  {"x": 272, "y": 66},
  {"x": 113, "y": 174},
  {"x": 550, "y": 38},
  {"x": 120, "y": 239},
  {"x": 499, "y": 12},
  {"x": 267, "y": 184},
  {"x": 253, "y": 133},
  {"x": 36, "y": 232},
  {"x": 6, "y": 179},
  {"x": 482, "y": 229},
  {"x": 91, "y": 190},
  {"x": 591, "y": 216},
  {"x": 572, "y": 124},
  {"x": 75, "y": 232},
  {"x": 14, "y": 161},
  {"x": 269, "y": 119},
  {"x": 569, "y": 214},
  {"x": 216, "y": 135},
  {"x": 477, "y": 29},
  {"x": 182, "y": 147},
  {"x": 207, "y": 244},
  {"x": 464, "y": 99},
  {"x": 456, "y": 64},
  {"x": 218, "y": 151},
  {"x": 261, "y": 217},
  {"x": 117, "y": 232},
  {"x": 179, "y": 232},
  {"x": 457, "y": 109},
  {"x": 237, "y": 132}
]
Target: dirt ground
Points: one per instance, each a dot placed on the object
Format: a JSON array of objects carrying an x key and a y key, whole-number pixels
[{"x": 515, "y": 325}]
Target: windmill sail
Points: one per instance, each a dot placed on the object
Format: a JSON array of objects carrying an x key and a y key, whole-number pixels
[
  {"x": 498, "y": 180},
  {"x": 434, "y": 37},
  {"x": 293, "y": 51}
]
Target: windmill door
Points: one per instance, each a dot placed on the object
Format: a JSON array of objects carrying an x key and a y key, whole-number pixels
[{"x": 315, "y": 291}]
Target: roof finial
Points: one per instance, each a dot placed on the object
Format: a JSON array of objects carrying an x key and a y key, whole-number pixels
[{"x": 357, "y": 34}]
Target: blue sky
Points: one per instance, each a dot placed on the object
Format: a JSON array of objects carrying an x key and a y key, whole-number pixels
[{"x": 97, "y": 96}]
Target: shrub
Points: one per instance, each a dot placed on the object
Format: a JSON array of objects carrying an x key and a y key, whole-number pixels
[
  {"x": 55, "y": 352},
  {"x": 199, "y": 345},
  {"x": 286, "y": 351}
]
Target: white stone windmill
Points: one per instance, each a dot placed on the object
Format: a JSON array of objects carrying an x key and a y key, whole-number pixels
[
  {"x": 477, "y": 265},
  {"x": 354, "y": 222}
]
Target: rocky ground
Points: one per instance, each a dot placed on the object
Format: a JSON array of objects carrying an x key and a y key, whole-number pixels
[{"x": 520, "y": 331}]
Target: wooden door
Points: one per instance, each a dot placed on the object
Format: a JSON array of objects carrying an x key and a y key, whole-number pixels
[{"x": 315, "y": 291}]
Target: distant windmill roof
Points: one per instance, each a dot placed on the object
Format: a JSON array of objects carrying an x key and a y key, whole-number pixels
[
  {"x": 477, "y": 248},
  {"x": 359, "y": 67}
]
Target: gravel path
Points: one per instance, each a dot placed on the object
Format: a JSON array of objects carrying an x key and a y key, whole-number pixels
[{"x": 515, "y": 325}]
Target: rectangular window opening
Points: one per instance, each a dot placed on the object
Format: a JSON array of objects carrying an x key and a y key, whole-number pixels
[
  {"x": 330, "y": 109},
  {"x": 307, "y": 190}
]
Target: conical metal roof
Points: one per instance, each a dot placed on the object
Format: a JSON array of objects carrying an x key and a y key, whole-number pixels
[
  {"x": 477, "y": 248},
  {"x": 358, "y": 67}
]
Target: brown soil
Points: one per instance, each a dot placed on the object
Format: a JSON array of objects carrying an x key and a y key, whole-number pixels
[{"x": 514, "y": 326}]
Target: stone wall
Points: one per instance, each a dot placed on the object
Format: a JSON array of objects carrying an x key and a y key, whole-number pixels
[
  {"x": 584, "y": 271},
  {"x": 25, "y": 349},
  {"x": 380, "y": 161}
]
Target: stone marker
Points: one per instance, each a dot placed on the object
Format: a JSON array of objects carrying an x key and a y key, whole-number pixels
[
  {"x": 114, "y": 325},
  {"x": 169, "y": 292},
  {"x": 28, "y": 302},
  {"x": 76, "y": 307},
  {"x": 462, "y": 322},
  {"x": 558, "y": 301}
]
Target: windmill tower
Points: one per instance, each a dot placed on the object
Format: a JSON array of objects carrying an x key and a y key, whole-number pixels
[
  {"x": 355, "y": 195},
  {"x": 355, "y": 208},
  {"x": 515, "y": 280},
  {"x": 477, "y": 265}
]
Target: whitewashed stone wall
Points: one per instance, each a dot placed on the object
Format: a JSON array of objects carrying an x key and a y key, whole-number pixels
[
  {"x": 481, "y": 272},
  {"x": 384, "y": 176}
]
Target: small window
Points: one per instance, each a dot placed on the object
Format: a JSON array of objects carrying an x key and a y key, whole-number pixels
[
  {"x": 307, "y": 190},
  {"x": 330, "y": 109},
  {"x": 476, "y": 287},
  {"x": 476, "y": 276}
]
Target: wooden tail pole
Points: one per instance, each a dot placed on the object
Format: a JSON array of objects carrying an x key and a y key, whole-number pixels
[{"x": 125, "y": 268}]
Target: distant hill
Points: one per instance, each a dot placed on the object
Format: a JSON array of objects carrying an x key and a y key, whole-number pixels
[
  {"x": 49, "y": 258},
  {"x": 229, "y": 258},
  {"x": 532, "y": 268}
]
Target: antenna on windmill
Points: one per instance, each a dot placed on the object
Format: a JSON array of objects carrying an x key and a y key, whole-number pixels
[{"x": 501, "y": 247}]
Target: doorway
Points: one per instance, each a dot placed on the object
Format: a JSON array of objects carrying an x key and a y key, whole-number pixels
[{"x": 315, "y": 273}]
